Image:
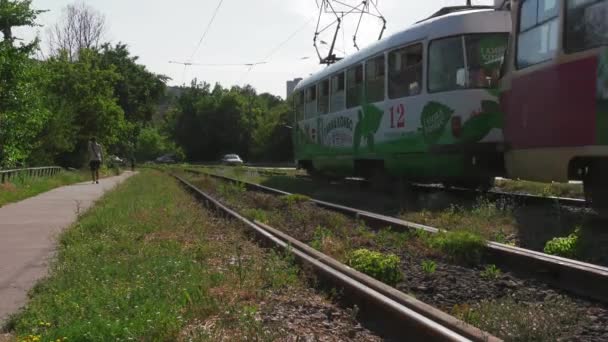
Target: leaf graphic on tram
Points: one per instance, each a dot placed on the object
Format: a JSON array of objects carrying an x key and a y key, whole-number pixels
[
  {"x": 434, "y": 118},
  {"x": 369, "y": 118},
  {"x": 478, "y": 126}
]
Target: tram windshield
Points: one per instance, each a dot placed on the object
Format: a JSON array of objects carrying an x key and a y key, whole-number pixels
[
  {"x": 586, "y": 24},
  {"x": 469, "y": 61}
]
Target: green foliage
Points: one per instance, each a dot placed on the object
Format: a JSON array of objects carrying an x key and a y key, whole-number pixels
[
  {"x": 510, "y": 320},
  {"x": 208, "y": 123},
  {"x": 429, "y": 266},
  {"x": 294, "y": 199},
  {"x": 462, "y": 246},
  {"x": 491, "y": 272},
  {"x": 319, "y": 236},
  {"x": 389, "y": 238},
  {"x": 22, "y": 114},
  {"x": 231, "y": 189},
  {"x": 384, "y": 267},
  {"x": 83, "y": 92},
  {"x": 16, "y": 13},
  {"x": 257, "y": 215},
  {"x": 564, "y": 246},
  {"x": 151, "y": 144}
]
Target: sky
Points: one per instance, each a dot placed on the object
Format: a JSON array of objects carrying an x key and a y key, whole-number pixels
[{"x": 277, "y": 32}]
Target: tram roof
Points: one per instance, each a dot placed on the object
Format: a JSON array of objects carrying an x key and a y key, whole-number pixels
[{"x": 460, "y": 22}]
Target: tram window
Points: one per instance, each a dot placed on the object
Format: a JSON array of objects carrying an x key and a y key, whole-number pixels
[
  {"x": 446, "y": 65},
  {"x": 485, "y": 54},
  {"x": 586, "y": 24},
  {"x": 374, "y": 78},
  {"x": 337, "y": 93},
  {"x": 354, "y": 86},
  {"x": 529, "y": 15},
  {"x": 299, "y": 104},
  {"x": 310, "y": 106},
  {"x": 538, "y": 32},
  {"x": 405, "y": 71},
  {"x": 323, "y": 97}
]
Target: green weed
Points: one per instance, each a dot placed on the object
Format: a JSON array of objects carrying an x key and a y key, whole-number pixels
[
  {"x": 491, "y": 272},
  {"x": 514, "y": 321},
  {"x": 389, "y": 238},
  {"x": 294, "y": 199},
  {"x": 319, "y": 236},
  {"x": 384, "y": 267},
  {"x": 429, "y": 266},
  {"x": 461, "y": 246},
  {"x": 564, "y": 246},
  {"x": 231, "y": 189},
  {"x": 256, "y": 214}
]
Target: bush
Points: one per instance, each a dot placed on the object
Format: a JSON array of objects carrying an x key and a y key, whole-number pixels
[
  {"x": 462, "y": 246},
  {"x": 383, "y": 267},
  {"x": 563, "y": 246}
]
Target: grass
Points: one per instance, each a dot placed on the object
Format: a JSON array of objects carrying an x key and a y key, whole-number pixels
[
  {"x": 541, "y": 189},
  {"x": 460, "y": 246},
  {"x": 22, "y": 188},
  {"x": 491, "y": 220},
  {"x": 148, "y": 264},
  {"x": 521, "y": 321}
]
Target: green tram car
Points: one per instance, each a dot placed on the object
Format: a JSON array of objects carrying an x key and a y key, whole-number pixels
[{"x": 420, "y": 105}]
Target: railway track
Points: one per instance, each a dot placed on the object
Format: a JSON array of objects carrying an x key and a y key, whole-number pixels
[
  {"x": 411, "y": 319},
  {"x": 521, "y": 198},
  {"x": 580, "y": 278}
]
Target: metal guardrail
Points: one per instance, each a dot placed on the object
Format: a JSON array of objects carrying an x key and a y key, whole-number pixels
[{"x": 7, "y": 175}]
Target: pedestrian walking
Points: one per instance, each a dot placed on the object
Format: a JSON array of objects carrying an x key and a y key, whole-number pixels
[{"x": 95, "y": 159}]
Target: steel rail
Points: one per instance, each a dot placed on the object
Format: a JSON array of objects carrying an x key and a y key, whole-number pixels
[
  {"x": 522, "y": 198},
  {"x": 581, "y": 278},
  {"x": 417, "y": 320}
]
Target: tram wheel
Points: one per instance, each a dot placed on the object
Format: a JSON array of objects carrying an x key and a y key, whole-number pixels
[
  {"x": 596, "y": 186},
  {"x": 380, "y": 180}
]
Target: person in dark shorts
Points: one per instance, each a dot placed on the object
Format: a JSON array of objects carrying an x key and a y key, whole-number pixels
[{"x": 95, "y": 159}]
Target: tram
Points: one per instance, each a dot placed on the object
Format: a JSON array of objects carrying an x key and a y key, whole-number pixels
[
  {"x": 420, "y": 105},
  {"x": 554, "y": 93}
]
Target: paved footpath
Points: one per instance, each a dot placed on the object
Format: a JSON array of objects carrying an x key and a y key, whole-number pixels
[{"x": 28, "y": 232}]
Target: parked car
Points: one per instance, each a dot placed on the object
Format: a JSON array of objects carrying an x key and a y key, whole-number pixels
[
  {"x": 115, "y": 160},
  {"x": 232, "y": 159},
  {"x": 166, "y": 159}
]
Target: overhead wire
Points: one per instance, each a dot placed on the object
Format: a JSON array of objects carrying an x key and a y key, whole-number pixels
[
  {"x": 276, "y": 49},
  {"x": 200, "y": 42}
]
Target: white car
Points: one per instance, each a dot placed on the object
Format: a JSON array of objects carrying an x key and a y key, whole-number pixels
[{"x": 232, "y": 159}]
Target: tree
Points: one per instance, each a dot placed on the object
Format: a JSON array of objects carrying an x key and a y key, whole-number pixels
[
  {"x": 208, "y": 123},
  {"x": 138, "y": 90},
  {"x": 15, "y": 13},
  {"x": 81, "y": 95},
  {"x": 22, "y": 114},
  {"x": 82, "y": 27}
]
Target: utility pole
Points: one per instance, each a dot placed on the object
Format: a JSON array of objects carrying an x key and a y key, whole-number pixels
[{"x": 469, "y": 3}]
